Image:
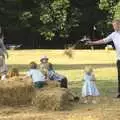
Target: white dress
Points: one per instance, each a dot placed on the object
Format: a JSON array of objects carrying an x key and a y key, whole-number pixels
[{"x": 89, "y": 87}]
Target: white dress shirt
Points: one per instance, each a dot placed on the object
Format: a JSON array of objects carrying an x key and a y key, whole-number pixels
[{"x": 115, "y": 37}]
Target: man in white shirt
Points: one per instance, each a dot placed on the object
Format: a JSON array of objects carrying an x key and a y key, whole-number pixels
[{"x": 115, "y": 37}]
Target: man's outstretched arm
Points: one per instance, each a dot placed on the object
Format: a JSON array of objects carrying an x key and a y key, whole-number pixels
[{"x": 98, "y": 42}]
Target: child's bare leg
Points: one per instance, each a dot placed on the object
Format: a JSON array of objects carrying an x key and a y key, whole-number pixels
[
  {"x": 86, "y": 99},
  {"x": 90, "y": 98},
  {"x": 94, "y": 100}
]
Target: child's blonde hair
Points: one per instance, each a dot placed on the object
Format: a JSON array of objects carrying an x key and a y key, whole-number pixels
[
  {"x": 88, "y": 69},
  {"x": 13, "y": 72}
]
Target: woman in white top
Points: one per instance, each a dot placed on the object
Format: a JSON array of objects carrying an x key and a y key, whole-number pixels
[
  {"x": 115, "y": 37},
  {"x": 89, "y": 88},
  {"x": 3, "y": 51}
]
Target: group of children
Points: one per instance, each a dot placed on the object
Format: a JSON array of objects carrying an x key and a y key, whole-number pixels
[
  {"x": 45, "y": 72},
  {"x": 39, "y": 74}
]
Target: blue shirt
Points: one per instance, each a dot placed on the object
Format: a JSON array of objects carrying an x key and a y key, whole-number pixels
[{"x": 36, "y": 75}]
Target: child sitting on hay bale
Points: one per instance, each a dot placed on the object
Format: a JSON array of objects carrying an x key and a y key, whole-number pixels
[
  {"x": 37, "y": 77},
  {"x": 47, "y": 69}
]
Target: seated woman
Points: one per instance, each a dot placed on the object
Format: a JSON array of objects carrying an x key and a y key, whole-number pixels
[{"x": 48, "y": 70}]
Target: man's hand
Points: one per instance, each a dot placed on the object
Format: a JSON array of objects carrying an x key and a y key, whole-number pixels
[{"x": 89, "y": 43}]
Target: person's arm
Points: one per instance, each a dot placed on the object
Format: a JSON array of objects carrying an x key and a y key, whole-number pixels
[
  {"x": 3, "y": 47},
  {"x": 99, "y": 42},
  {"x": 28, "y": 75}
]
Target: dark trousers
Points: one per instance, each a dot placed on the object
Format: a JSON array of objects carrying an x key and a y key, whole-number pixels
[
  {"x": 118, "y": 70},
  {"x": 39, "y": 84},
  {"x": 64, "y": 83}
]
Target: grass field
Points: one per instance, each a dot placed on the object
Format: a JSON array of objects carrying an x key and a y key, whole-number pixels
[{"x": 103, "y": 62}]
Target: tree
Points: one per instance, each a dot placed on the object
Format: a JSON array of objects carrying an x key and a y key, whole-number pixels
[
  {"x": 9, "y": 13},
  {"x": 53, "y": 18},
  {"x": 117, "y": 11},
  {"x": 111, "y": 10},
  {"x": 49, "y": 17},
  {"x": 58, "y": 17}
]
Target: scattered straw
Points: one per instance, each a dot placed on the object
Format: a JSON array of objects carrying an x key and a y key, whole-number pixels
[{"x": 69, "y": 52}]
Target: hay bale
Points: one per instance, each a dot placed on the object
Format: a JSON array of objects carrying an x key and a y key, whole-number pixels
[
  {"x": 52, "y": 99},
  {"x": 52, "y": 84},
  {"x": 15, "y": 91}
]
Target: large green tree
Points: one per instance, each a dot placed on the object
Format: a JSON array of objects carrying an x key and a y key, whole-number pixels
[
  {"x": 117, "y": 11},
  {"x": 51, "y": 17}
]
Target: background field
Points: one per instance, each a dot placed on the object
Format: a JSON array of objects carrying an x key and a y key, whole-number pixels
[{"x": 102, "y": 61}]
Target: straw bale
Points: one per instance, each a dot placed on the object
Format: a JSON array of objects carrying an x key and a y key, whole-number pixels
[
  {"x": 15, "y": 91},
  {"x": 53, "y": 99},
  {"x": 52, "y": 84}
]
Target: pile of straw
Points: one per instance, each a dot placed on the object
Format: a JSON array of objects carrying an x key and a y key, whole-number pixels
[
  {"x": 52, "y": 84},
  {"x": 53, "y": 99},
  {"x": 15, "y": 91}
]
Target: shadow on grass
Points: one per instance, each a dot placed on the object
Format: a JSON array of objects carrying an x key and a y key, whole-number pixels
[
  {"x": 106, "y": 88},
  {"x": 23, "y": 67}
]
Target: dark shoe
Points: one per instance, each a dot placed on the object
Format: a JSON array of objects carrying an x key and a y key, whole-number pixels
[
  {"x": 76, "y": 99},
  {"x": 118, "y": 96}
]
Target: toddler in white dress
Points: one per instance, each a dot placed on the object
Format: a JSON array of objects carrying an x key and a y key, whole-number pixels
[{"x": 89, "y": 89}]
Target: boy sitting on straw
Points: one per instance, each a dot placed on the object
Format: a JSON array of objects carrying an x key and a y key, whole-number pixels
[{"x": 38, "y": 78}]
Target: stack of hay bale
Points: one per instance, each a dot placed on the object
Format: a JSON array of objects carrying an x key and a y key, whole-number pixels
[{"x": 15, "y": 91}]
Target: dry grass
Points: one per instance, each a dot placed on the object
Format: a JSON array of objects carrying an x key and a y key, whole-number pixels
[{"x": 81, "y": 112}]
